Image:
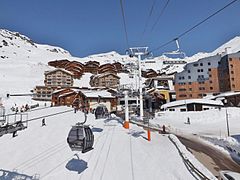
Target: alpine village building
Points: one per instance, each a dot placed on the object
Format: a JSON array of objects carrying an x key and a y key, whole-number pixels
[
  {"x": 84, "y": 98},
  {"x": 208, "y": 76},
  {"x": 56, "y": 79}
]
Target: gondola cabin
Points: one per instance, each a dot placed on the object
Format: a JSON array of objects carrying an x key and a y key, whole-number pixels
[
  {"x": 80, "y": 138},
  {"x": 101, "y": 112}
]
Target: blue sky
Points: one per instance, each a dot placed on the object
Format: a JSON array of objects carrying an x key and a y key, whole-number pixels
[{"x": 96, "y": 26}]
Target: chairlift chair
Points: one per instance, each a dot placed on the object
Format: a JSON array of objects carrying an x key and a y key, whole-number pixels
[
  {"x": 80, "y": 138},
  {"x": 176, "y": 52}
]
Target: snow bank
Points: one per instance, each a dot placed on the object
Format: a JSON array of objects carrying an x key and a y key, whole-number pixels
[
  {"x": 228, "y": 145},
  {"x": 210, "y": 122},
  {"x": 194, "y": 165}
]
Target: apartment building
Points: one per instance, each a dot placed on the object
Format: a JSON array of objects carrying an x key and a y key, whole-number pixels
[
  {"x": 56, "y": 79},
  {"x": 109, "y": 80},
  {"x": 210, "y": 75},
  {"x": 229, "y": 73}
]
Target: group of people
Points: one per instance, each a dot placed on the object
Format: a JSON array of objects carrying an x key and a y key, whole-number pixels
[{"x": 22, "y": 108}]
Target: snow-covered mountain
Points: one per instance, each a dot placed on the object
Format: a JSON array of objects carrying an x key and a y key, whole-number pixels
[
  {"x": 231, "y": 46},
  {"x": 14, "y": 46}
]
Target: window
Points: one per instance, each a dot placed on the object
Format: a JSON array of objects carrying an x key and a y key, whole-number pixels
[
  {"x": 230, "y": 59},
  {"x": 190, "y": 95},
  {"x": 209, "y": 63},
  {"x": 189, "y": 71},
  {"x": 171, "y": 109},
  {"x": 201, "y": 64},
  {"x": 189, "y": 77},
  {"x": 210, "y": 75},
  {"x": 210, "y": 81},
  {"x": 183, "y": 110},
  {"x": 233, "y": 85},
  {"x": 232, "y": 72},
  {"x": 219, "y": 62},
  {"x": 211, "y": 88},
  {"x": 201, "y": 70},
  {"x": 231, "y": 65},
  {"x": 209, "y": 69},
  {"x": 189, "y": 83},
  {"x": 190, "y": 89},
  {"x": 182, "y": 89},
  {"x": 195, "y": 65},
  {"x": 232, "y": 79},
  {"x": 182, "y": 95},
  {"x": 198, "y": 70}
]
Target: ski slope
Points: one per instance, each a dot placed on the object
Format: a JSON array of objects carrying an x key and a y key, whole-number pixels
[{"x": 118, "y": 153}]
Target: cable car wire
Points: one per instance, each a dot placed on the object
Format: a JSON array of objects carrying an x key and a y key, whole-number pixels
[
  {"x": 149, "y": 16},
  {"x": 161, "y": 13},
  {"x": 124, "y": 23},
  {"x": 195, "y": 26},
  {"x": 54, "y": 114}
]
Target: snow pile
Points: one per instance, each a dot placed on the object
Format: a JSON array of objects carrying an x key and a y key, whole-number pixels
[
  {"x": 230, "y": 144},
  {"x": 188, "y": 157}
]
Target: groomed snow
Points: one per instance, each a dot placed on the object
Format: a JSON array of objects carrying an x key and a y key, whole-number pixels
[
  {"x": 118, "y": 153},
  {"x": 209, "y": 122}
]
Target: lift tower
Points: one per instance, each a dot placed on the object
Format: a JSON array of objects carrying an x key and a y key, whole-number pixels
[{"x": 139, "y": 52}]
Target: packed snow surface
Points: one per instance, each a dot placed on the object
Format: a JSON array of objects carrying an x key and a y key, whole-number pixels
[{"x": 118, "y": 153}]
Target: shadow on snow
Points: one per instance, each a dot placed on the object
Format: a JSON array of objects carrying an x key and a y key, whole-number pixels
[{"x": 77, "y": 165}]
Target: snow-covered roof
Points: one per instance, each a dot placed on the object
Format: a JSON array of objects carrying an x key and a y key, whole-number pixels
[
  {"x": 106, "y": 74},
  {"x": 66, "y": 94},
  {"x": 59, "y": 69},
  {"x": 222, "y": 95},
  {"x": 96, "y": 94},
  {"x": 192, "y": 101},
  {"x": 58, "y": 91}
]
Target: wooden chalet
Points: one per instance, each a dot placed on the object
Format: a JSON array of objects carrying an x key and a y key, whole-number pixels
[
  {"x": 58, "y": 63},
  {"x": 76, "y": 69},
  {"x": 109, "y": 80},
  {"x": 91, "y": 67},
  {"x": 118, "y": 66},
  {"x": 107, "y": 68},
  {"x": 84, "y": 99},
  {"x": 149, "y": 73}
]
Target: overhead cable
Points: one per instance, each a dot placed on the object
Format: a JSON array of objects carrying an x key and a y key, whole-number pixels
[
  {"x": 124, "y": 23},
  {"x": 149, "y": 16},
  {"x": 160, "y": 15},
  {"x": 195, "y": 26}
]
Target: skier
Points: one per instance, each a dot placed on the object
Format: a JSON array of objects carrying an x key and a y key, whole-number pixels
[
  {"x": 14, "y": 134},
  {"x": 164, "y": 129},
  {"x": 43, "y": 122}
]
